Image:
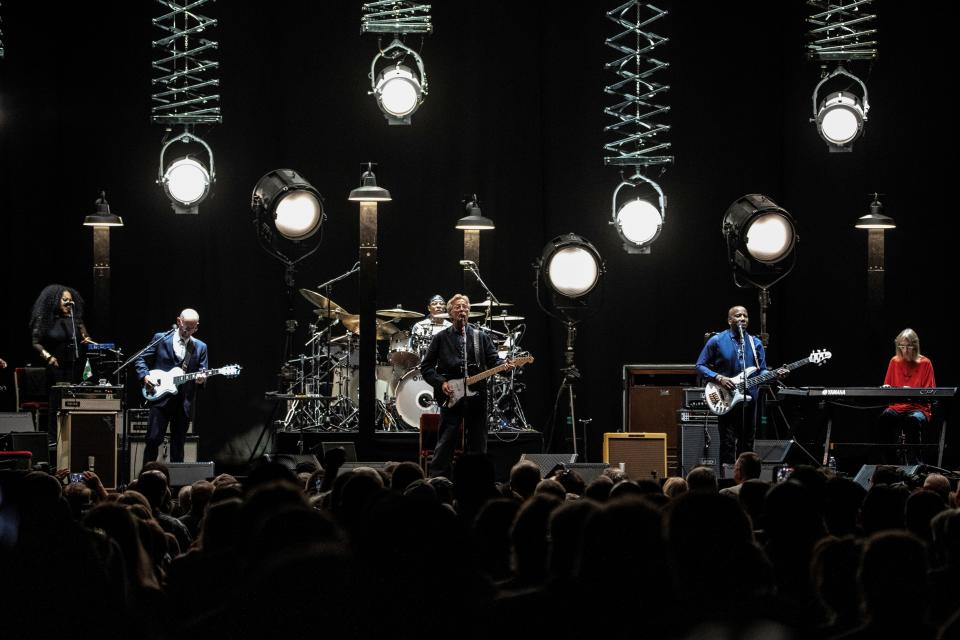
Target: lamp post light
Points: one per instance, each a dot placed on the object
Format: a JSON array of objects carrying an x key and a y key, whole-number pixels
[
  {"x": 472, "y": 224},
  {"x": 101, "y": 221},
  {"x": 876, "y": 224}
]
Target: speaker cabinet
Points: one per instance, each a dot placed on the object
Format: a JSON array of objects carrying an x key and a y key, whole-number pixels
[
  {"x": 34, "y": 442},
  {"x": 865, "y": 476},
  {"x": 11, "y": 421},
  {"x": 652, "y": 394},
  {"x": 184, "y": 473},
  {"x": 547, "y": 461},
  {"x": 774, "y": 451},
  {"x": 87, "y": 440},
  {"x": 699, "y": 446},
  {"x": 138, "y": 443},
  {"x": 643, "y": 455},
  {"x": 590, "y": 471}
]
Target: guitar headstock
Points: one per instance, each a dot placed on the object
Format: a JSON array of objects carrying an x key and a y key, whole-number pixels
[
  {"x": 521, "y": 359},
  {"x": 820, "y": 356},
  {"x": 231, "y": 370}
]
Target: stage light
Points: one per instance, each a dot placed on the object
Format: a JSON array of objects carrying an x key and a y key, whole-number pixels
[
  {"x": 637, "y": 213},
  {"x": 840, "y": 117},
  {"x": 876, "y": 224},
  {"x": 571, "y": 266},
  {"x": 474, "y": 220},
  {"x": 102, "y": 217},
  {"x": 398, "y": 89},
  {"x": 876, "y": 219},
  {"x": 186, "y": 181},
  {"x": 761, "y": 240},
  {"x": 290, "y": 204}
]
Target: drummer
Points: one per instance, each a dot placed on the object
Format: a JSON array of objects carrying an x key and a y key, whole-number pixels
[{"x": 436, "y": 322}]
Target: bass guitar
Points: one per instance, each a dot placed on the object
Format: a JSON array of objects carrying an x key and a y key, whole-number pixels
[
  {"x": 461, "y": 387},
  {"x": 165, "y": 383},
  {"x": 721, "y": 400}
]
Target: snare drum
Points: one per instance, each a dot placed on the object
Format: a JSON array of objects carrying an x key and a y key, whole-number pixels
[
  {"x": 414, "y": 398},
  {"x": 402, "y": 353}
]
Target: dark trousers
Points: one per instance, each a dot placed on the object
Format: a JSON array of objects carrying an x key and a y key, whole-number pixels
[
  {"x": 171, "y": 412},
  {"x": 894, "y": 425},
  {"x": 738, "y": 428},
  {"x": 470, "y": 410}
]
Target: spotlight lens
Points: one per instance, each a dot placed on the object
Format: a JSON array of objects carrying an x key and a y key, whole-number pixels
[
  {"x": 769, "y": 238},
  {"x": 639, "y": 221},
  {"x": 187, "y": 181},
  {"x": 573, "y": 271},
  {"x": 840, "y": 125},
  {"x": 398, "y": 92},
  {"x": 299, "y": 214}
]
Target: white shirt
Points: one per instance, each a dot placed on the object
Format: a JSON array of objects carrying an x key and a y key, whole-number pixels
[{"x": 180, "y": 346}]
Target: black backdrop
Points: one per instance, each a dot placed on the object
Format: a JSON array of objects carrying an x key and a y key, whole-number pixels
[{"x": 515, "y": 115}]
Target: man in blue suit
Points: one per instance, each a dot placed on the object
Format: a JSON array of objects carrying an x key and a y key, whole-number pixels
[{"x": 179, "y": 349}]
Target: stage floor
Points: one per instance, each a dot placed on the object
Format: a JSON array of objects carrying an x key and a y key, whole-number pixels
[{"x": 505, "y": 447}]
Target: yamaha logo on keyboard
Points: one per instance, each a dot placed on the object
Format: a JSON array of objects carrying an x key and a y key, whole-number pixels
[{"x": 833, "y": 392}]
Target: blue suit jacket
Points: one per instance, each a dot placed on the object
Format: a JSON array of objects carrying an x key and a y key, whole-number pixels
[{"x": 162, "y": 356}]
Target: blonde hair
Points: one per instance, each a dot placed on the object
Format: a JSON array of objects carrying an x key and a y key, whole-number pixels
[
  {"x": 910, "y": 336},
  {"x": 456, "y": 296}
]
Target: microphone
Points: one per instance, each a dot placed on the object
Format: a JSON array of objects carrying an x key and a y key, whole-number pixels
[
  {"x": 68, "y": 303},
  {"x": 467, "y": 263}
]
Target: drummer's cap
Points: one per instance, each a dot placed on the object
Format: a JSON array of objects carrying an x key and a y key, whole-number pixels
[{"x": 437, "y": 298}]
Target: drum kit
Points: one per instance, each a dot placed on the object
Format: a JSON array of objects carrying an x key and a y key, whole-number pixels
[{"x": 321, "y": 385}]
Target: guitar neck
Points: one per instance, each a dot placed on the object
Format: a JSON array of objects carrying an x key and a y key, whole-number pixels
[
  {"x": 770, "y": 375},
  {"x": 483, "y": 375},
  {"x": 187, "y": 377}
]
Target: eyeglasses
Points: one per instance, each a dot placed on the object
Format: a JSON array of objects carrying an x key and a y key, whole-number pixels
[{"x": 906, "y": 346}]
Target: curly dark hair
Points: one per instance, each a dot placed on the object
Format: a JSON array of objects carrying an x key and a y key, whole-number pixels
[{"x": 47, "y": 306}]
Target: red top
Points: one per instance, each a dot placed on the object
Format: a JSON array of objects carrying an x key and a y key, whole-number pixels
[{"x": 904, "y": 373}]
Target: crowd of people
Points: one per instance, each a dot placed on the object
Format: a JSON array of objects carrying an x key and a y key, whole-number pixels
[{"x": 366, "y": 553}]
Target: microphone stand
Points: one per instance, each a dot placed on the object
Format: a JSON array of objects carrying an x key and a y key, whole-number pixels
[{"x": 741, "y": 354}]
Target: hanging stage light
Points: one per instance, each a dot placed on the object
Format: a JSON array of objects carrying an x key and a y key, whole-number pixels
[
  {"x": 186, "y": 180},
  {"x": 286, "y": 205},
  {"x": 761, "y": 240},
  {"x": 637, "y": 220},
  {"x": 571, "y": 266},
  {"x": 398, "y": 89}
]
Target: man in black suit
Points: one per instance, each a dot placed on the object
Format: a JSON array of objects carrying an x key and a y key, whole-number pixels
[
  {"x": 180, "y": 349},
  {"x": 459, "y": 351}
]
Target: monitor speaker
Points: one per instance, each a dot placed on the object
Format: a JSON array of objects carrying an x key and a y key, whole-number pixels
[
  {"x": 589, "y": 471},
  {"x": 864, "y": 477},
  {"x": 548, "y": 461},
  {"x": 644, "y": 455},
  {"x": 138, "y": 444},
  {"x": 773, "y": 451},
  {"x": 87, "y": 441},
  {"x": 11, "y": 421},
  {"x": 32, "y": 441},
  {"x": 293, "y": 460},
  {"x": 349, "y": 448},
  {"x": 184, "y": 473}
]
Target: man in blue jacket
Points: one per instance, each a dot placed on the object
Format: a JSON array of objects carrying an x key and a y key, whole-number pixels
[{"x": 179, "y": 349}]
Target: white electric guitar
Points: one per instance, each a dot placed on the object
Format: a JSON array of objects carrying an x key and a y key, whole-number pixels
[
  {"x": 165, "y": 383},
  {"x": 459, "y": 389},
  {"x": 721, "y": 400}
]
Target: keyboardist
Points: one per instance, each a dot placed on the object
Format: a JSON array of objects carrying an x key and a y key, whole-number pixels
[{"x": 905, "y": 421}]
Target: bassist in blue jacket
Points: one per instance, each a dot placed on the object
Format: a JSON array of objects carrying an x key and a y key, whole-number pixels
[
  {"x": 179, "y": 349},
  {"x": 444, "y": 362},
  {"x": 720, "y": 361}
]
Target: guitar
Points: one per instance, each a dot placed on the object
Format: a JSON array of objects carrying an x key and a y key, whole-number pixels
[
  {"x": 460, "y": 389},
  {"x": 721, "y": 400},
  {"x": 166, "y": 382}
]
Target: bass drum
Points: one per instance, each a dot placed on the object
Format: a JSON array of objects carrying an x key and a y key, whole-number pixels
[{"x": 414, "y": 398}]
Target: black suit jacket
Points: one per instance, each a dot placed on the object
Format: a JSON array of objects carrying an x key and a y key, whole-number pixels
[{"x": 444, "y": 359}]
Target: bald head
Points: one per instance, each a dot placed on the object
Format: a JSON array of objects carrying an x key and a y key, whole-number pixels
[
  {"x": 738, "y": 314},
  {"x": 190, "y": 314}
]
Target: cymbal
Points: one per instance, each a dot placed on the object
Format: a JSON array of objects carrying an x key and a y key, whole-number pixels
[
  {"x": 506, "y": 318},
  {"x": 398, "y": 312},
  {"x": 351, "y": 322},
  {"x": 491, "y": 303},
  {"x": 322, "y": 303},
  {"x": 473, "y": 314}
]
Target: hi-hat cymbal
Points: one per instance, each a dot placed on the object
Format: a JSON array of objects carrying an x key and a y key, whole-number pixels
[
  {"x": 491, "y": 303},
  {"x": 473, "y": 314},
  {"x": 351, "y": 322},
  {"x": 506, "y": 318},
  {"x": 398, "y": 312},
  {"x": 322, "y": 303}
]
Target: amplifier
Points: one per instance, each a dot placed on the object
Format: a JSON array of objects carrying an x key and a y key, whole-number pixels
[
  {"x": 643, "y": 455},
  {"x": 696, "y": 416},
  {"x": 87, "y": 440},
  {"x": 694, "y": 398},
  {"x": 89, "y": 404},
  {"x": 138, "y": 443},
  {"x": 137, "y": 420}
]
